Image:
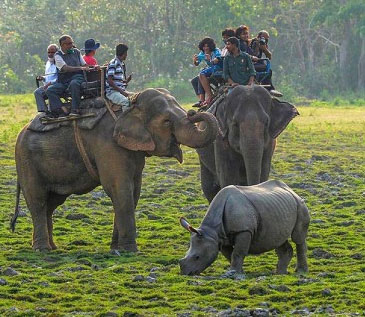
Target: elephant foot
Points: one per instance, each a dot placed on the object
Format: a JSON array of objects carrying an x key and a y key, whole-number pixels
[
  {"x": 130, "y": 247},
  {"x": 42, "y": 250},
  {"x": 41, "y": 247},
  {"x": 301, "y": 270},
  {"x": 281, "y": 271},
  {"x": 117, "y": 250}
]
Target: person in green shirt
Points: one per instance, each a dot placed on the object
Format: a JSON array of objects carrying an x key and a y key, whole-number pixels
[{"x": 237, "y": 65}]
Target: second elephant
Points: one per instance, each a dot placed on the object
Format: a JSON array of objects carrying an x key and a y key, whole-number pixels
[{"x": 250, "y": 120}]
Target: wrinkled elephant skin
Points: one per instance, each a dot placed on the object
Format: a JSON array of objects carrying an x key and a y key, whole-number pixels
[
  {"x": 50, "y": 167},
  {"x": 250, "y": 120}
]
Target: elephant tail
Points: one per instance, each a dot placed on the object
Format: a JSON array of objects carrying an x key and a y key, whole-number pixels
[{"x": 16, "y": 212}]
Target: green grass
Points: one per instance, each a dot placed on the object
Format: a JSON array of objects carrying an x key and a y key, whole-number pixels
[{"x": 320, "y": 155}]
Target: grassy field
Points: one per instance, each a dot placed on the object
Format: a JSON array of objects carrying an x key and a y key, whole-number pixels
[{"x": 320, "y": 155}]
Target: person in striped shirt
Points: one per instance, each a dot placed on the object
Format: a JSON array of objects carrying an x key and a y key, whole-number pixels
[{"x": 116, "y": 79}]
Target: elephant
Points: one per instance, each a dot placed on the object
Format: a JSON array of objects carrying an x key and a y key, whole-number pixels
[
  {"x": 50, "y": 166},
  {"x": 250, "y": 120}
]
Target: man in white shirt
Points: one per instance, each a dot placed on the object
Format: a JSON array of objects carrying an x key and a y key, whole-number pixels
[
  {"x": 49, "y": 78},
  {"x": 70, "y": 65}
]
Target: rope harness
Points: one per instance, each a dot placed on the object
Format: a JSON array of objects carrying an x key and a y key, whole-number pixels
[{"x": 80, "y": 145}]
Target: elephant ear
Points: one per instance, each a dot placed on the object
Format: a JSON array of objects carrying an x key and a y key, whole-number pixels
[
  {"x": 281, "y": 114},
  {"x": 130, "y": 133}
]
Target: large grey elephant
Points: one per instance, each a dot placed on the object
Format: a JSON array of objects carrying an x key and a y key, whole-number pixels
[
  {"x": 250, "y": 120},
  {"x": 50, "y": 166}
]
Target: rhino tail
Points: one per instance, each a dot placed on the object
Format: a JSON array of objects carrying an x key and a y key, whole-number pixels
[{"x": 16, "y": 212}]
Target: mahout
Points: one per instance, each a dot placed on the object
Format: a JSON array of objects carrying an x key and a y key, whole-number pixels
[
  {"x": 243, "y": 220},
  {"x": 50, "y": 167}
]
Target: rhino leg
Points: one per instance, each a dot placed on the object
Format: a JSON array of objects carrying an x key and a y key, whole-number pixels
[
  {"x": 241, "y": 246},
  {"x": 227, "y": 252},
  {"x": 284, "y": 253},
  {"x": 299, "y": 235},
  {"x": 302, "y": 266}
]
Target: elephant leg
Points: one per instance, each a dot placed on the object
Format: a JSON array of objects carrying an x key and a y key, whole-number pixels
[
  {"x": 266, "y": 161},
  {"x": 120, "y": 187},
  {"x": 208, "y": 181},
  {"x": 121, "y": 180},
  {"x": 136, "y": 193},
  {"x": 54, "y": 200},
  {"x": 37, "y": 204},
  {"x": 229, "y": 166},
  {"x": 284, "y": 253},
  {"x": 114, "y": 244},
  {"x": 137, "y": 188},
  {"x": 124, "y": 220}
]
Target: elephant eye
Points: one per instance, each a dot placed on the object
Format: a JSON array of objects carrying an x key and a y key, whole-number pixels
[
  {"x": 167, "y": 122},
  {"x": 196, "y": 257}
]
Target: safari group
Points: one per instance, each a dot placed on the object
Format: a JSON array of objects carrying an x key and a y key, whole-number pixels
[
  {"x": 66, "y": 71},
  {"x": 235, "y": 140},
  {"x": 241, "y": 61}
]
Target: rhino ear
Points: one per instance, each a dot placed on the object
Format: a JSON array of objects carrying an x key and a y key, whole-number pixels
[
  {"x": 130, "y": 133},
  {"x": 184, "y": 223},
  {"x": 281, "y": 114}
]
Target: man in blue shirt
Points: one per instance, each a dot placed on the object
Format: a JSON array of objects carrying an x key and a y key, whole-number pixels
[{"x": 49, "y": 78}]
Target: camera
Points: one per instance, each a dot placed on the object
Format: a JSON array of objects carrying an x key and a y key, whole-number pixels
[{"x": 262, "y": 41}]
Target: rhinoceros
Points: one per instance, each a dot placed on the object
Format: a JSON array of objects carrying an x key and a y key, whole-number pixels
[{"x": 244, "y": 220}]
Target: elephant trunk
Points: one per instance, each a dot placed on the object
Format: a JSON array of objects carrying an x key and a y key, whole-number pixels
[
  {"x": 252, "y": 148},
  {"x": 188, "y": 133}
]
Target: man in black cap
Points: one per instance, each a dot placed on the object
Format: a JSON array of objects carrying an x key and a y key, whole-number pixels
[
  {"x": 71, "y": 65},
  {"x": 90, "y": 50}
]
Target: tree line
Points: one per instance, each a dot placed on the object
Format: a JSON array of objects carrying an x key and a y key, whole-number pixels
[{"x": 318, "y": 45}]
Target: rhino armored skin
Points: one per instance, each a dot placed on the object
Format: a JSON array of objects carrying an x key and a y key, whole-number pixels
[{"x": 244, "y": 220}]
